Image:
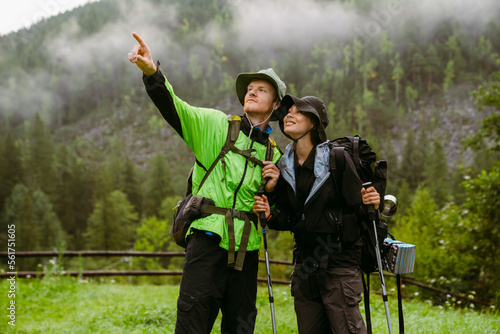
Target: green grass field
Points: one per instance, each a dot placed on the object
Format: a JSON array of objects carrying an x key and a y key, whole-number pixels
[{"x": 67, "y": 305}]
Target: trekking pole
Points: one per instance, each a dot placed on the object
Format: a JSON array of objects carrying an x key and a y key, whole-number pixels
[
  {"x": 268, "y": 270},
  {"x": 262, "y": 221},
  {"x": 400, "y": 305},
  {"x": 371, "y": 216}
]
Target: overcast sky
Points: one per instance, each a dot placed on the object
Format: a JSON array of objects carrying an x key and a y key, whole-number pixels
[{"x": 18, "y": 14}]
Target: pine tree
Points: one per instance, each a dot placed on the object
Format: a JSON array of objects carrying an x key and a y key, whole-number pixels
[
  {"x": 157, "y": 185},
  {"x": 449, "y": 74},
  {"x": 73, "y": 198},
  {"x": 115, "y": 163},
  {"x": 388, "y": 154},
  {"x": 19, "y": 211},
  {"x": 411, "y": 167},
  {"x": 50, "y": 230},
  {"x": 436, "y": 176},
  {"x": 41, "y": 157},
  {"x": 482, "y": 200},
  {"x": 417, "y": 65},
  {"x": 418, "y": 226},
  {"x": 347, "y": 59},
  {"x": 103, "y": 182},
  {"x": 432, "y": 66},
  {"x": 360, "y": 118},
  {"x": 483, "y": 54},
  {"x": 411, "y": 96},
  {"x": 488, "y": 95},
  {"x": 112, "y": 224},
  {"x": 131, "y": 186},
  {"x": 397, "y": 75},
  {"x": 368, "y": 70},
  {"x": 455, "y": 54},
  {"x": 386, "y": 50},
  {"x": 11, "y": 169},
  {"x": 404, "y": 195}
]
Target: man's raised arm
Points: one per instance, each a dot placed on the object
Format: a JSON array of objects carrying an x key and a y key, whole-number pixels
[{"x": 155, "y": 84}]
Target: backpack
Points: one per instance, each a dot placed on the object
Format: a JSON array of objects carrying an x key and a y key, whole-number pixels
[
  {"x": 363, "y": 158},
  {"x": 192, "y": 207}
]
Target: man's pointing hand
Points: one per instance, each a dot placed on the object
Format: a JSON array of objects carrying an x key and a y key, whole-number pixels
[{"x": 141, "y": 56}]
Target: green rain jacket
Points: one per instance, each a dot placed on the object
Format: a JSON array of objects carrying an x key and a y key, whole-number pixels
[{"x": 205, "y": 131}]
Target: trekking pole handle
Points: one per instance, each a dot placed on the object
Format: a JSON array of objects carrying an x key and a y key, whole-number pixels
[
  {"x": 262, "y": 218},
  {"x": 262, "y": 214},
  {"x": 370, "y": 208}
]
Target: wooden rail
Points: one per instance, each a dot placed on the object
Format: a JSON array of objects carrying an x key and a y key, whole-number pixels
[
  {"x": 106, "y": 253},
  {"x": 110, "y": 253},
  {"x": 100, "y": 273}
]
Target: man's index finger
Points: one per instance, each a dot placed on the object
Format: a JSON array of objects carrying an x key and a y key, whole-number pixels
[{"x": 139, "y": 39}]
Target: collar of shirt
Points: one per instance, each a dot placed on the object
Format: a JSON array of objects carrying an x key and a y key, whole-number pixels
[
  {"x": 304, "y": 178},
  {"x": 267, "y": 130},
  {"x": 257, "y": 134},
  {"x": 308, "y": 163}
]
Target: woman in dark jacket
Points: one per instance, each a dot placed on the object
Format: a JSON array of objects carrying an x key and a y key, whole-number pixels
[{"x": 326, "y": 282}]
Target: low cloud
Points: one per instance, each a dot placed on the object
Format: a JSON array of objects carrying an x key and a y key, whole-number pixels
[{"x": 265, "y": 27}]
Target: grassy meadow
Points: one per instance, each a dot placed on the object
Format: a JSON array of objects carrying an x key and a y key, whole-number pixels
[{"x": 69, "y": 305}]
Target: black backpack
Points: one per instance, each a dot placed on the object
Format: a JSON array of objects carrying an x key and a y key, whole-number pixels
[{"x": 364, "y": 158}]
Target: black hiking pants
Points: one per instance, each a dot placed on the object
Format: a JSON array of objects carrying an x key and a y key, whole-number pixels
[
  {"x": 327, "y": 300},
  {"x": 208, "y": 285}
]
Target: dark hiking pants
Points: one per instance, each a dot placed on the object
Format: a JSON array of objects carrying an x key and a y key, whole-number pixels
[
  {"x": 208, "y": 285},
  {"x": 327, "y": 300}
]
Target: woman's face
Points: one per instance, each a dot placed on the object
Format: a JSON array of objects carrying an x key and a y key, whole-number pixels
[{"x": 296, "y": 123}]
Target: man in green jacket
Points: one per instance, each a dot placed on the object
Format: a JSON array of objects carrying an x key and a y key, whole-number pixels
[{"x": 221, "y": 263}]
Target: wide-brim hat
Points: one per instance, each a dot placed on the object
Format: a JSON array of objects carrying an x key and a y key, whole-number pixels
[
  {"x": 244, "y": 79},
  {"x": 307, "y": 104}
]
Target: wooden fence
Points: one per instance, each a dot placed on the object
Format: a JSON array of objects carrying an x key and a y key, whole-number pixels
[
  {"x": 107, "y": 253},
  {"x": 405, "y": 280}
]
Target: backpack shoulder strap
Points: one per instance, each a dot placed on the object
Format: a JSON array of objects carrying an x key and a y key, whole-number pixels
[
  {"x": 355, "y": 152},
  {"x": 232, "y": 135},
  {"x": 271, "y": 144},
  {"x": 233, "y": 131},
  {"x": 337, "y": 165}
]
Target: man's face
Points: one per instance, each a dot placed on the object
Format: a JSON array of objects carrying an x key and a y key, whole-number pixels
[{"x": 260, "y": 97}]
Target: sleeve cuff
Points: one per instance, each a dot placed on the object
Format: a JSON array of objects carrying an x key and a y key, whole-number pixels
[{"x": 151, "y": 81}]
